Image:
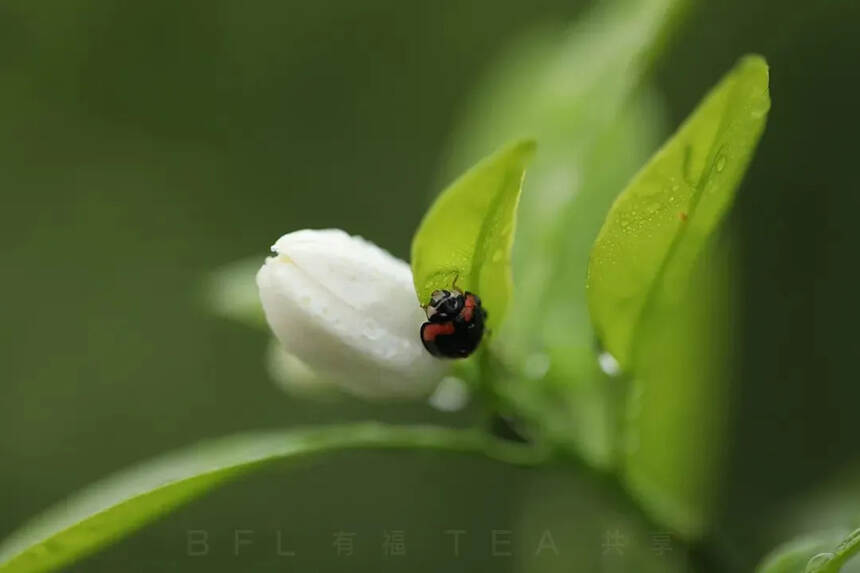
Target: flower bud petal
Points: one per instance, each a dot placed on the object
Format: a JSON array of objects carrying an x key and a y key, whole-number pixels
[{"x": 348, "y": 310}]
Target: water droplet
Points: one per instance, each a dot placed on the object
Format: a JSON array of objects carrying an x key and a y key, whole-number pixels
[
  {"x": 608, "y": 364},
  {"x": 371, "y": 331},
  {"x": 761, "y": 104},
  {"x": 451, "y": 394},
  {"x": 721, "y": 163},
  {"x": 817, "y": 561},
  {"x": 536, "y": 366}
]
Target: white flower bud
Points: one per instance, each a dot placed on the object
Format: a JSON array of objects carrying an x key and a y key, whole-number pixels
[{"x": 348, "y": 310}]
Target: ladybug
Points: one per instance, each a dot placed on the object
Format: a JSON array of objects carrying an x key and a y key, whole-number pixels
[{"x": 455, "y": 323}]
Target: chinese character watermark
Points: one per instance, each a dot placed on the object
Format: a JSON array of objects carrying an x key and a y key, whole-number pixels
[
  {"x": 395, "y": 543},
  {"x": 661, "y": 542},
  {"x": 614, "y": 542},
  {"x": 344, "y": 543}
]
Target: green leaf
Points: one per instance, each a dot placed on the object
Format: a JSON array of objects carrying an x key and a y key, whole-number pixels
[
  {"x": 678, "y": 410},
  {"x": 111, "y": 509},
  {"x": 823, "y": 552},
  {"x": 466, "y": 235},
  {"x": 659, "y": 296},
  {"x": 659, "y": 225},
  {"x": 578, "y": 90}
]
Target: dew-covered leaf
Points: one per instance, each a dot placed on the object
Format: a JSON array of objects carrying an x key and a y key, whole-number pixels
[
  {"x": 660, "y": 223},
  {"x": 659, "y": 295},
  {"x": 578, "y": 90},
  {"x": 466, "y": 235}
]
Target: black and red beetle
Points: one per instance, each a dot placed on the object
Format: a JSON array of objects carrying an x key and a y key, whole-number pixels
[{"x": 455, "y": 323}]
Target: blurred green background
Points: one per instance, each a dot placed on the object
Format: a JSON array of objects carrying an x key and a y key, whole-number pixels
[{"x": 144, "y": 144}]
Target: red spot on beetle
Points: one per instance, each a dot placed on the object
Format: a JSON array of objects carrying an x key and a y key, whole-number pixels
[
  {"x": 434, "y": 329},
  {"x": 468, "y": 308}
]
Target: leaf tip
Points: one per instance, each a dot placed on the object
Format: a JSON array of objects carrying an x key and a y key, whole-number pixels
[
  {"x": 519, "y": 152},
  {"x": 754, "y": 67},
  {"x": 527, "y": 149},
  {"x": 527, "y": 146},
  {"x": 754, "y": 61}
]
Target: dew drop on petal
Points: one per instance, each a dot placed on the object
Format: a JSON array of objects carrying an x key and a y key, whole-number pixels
[{"x": 371, "y": 330}]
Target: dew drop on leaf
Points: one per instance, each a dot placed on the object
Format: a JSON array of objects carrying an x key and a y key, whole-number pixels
[
  {"x": 817, "y": 561},
  {"x": 536, "y": 366},
  {"x": 761, "y": 105},
  {"x": 451, "y": 394},
  {"x": 608, "y": 364}
]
